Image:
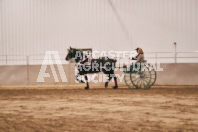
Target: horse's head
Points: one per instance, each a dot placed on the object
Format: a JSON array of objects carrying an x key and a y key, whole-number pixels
[{"x": 70, "y": 55}]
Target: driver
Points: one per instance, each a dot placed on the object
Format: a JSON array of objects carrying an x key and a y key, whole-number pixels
[
  {"x": 139, "y": 59},
  {"x": 140, "y": 56}
]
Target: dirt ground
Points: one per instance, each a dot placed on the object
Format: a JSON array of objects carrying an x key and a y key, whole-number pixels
[{"x": 70, "y": 108}]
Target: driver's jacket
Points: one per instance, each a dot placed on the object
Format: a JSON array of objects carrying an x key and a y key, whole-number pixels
[{"x": 139, "y": 58}]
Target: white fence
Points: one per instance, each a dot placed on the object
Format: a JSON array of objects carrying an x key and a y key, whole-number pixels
[
  {"x": 180, "y": 69},
  {"x": 153, "y": 57}
]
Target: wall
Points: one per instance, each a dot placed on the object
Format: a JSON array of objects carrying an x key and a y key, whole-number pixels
[
  {"x": 172, "y": 74},
  {"x": 153, "y": 25},
  {"x": 178, "y": 74}
]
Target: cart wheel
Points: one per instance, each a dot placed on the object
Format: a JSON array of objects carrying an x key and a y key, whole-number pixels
[
  {"x": 141, "y": 79},
  {"x": 128, "y": 82},
  {"x": 153, "y": 75}
]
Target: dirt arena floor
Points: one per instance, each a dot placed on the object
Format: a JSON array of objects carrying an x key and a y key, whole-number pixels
[{"x": 70, "y": 108}]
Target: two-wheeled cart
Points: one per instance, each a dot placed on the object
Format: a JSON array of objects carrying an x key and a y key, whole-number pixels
[{"x": 143, "y": 78}]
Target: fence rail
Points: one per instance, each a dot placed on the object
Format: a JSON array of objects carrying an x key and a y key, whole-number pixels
[{"x": 154, "y": 57}]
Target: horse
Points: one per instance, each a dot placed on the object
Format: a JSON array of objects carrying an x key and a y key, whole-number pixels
[{"x": 102, "y": 64}]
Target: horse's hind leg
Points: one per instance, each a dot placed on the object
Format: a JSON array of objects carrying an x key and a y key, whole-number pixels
[
  {"x": 106, "y": 83},
  {"x": 81, "y": 81},
  {"x": 115, "y": 79},
  {"x": 110, "y": 75},
  {"x": 86, "y": 78}
]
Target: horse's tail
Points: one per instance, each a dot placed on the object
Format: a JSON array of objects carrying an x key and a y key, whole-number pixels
[
  {"x": 112, "y": 63},
  {"x": 115, "y": 60}
]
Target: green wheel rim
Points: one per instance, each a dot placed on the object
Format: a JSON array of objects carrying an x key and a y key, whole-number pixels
[
  {"x": 153, "y": 75},
  {"x": 127, "y": 79},
  {"x": 141, "y": 79}
]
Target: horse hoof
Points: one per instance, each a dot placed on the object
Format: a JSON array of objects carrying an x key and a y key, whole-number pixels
[
  {"x": 106, "y": 84},
  {"x": 115, "y": 87},
  {"x": 86, "y": 88}
]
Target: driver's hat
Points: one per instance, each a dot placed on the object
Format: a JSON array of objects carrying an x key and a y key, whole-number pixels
[{"x": 137, "y": 49}]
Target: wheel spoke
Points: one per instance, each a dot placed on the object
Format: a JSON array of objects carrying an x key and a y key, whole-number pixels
[
  {"x": 146, "y": 80},
  {"x": 144, "y": 85},
  {"x": 137, "y": 80}
]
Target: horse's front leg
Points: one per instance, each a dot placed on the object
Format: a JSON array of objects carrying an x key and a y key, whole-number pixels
[
  {"x": 106, "y": 83},
  {"x": 112, "y": 75},
  {"x": 86, "y": 78},
  {"x": 115, "y": 80}
]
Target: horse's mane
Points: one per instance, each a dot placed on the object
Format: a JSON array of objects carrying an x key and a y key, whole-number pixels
[
  {"x": 78, "y": 50},
  {"x": 80, "y": 56}
]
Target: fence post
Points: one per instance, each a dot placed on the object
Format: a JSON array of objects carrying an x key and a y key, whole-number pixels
[
  {"x": 175, "y": 44},
  {"x": 27, "y": 65},
  {"x": 175, "y": 57},
  {"x": 156, "y": 57},
  {"x": 6, "y": 60},
  {"x": 119, "y": 62}
]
